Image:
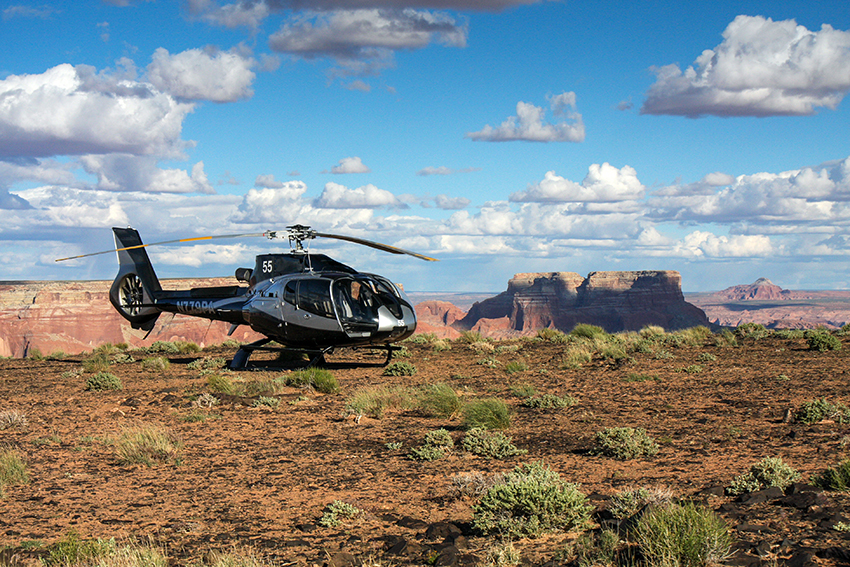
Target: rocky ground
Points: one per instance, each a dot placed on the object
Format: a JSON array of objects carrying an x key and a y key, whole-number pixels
[{"x": 260, "y": 477}]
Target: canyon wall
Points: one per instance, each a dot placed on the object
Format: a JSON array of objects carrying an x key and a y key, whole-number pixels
[
  {"x": 615, "y": 301},
  {"x": 73, "y": 317}
]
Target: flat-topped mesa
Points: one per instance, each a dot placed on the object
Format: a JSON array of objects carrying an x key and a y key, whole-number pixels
[{"x": 615, "y": 301}]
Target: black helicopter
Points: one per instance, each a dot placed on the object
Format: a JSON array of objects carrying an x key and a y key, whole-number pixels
[{"x": 308, "y": 302}]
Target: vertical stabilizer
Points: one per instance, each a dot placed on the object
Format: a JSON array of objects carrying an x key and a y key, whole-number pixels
[{"x": 134, "y": 290}]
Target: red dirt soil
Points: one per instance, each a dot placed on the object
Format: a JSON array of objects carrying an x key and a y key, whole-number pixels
[{"x": 260, "y": 477}]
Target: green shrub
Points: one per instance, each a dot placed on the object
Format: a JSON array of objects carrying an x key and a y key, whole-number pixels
[
  {"x": 706, "y": 357},
  {"x": 770, "y": 471},
  {"x": 515, "y": 366},
  {"x": 147, "y": 444},
  {"x": 822, "y": 341},
  {"x": 72, "y": 550},
  {"x": 638, "y": 377},
  {"x": 818, "y": 410},
  {"x": 439, "y": 400},
  {"x": 523, "y": 390},
  {"x": 206, "y": 363},
  {"x": 103, "y": 381},
  {"x": 625, "y": 443},
  {"x": 550, "y": 401},
  {"x": 553, "y": 335},
  {"x": 224, "y": 384},
  {"x": 530, "y": 500},
  {"x": 588, "y": 331},
  {"x": 653, "y": 332},
  {"x": 266, "y": 401},
  {"x": 490, "y": 413},
  {"x": 627, "y": 503},
  {"x": 176, "y": 347},
  {"x": 421, "y": 339},
  {"x": 337, "y": 512},
  {"x": 490, "y": 444},
  {"x": 441, "y": 345},
  {"x": 156, "y": 364},
  {"x": 438, "y": 444},
  {"x": 695, "y": 336},
  {"x": 726, "y": 338},
  {"x": 470, "y": 337},
  {"x": 164, "y": 347},
  {"x": 400, "y": 368},
  {"x": 577, "y": 355},
  {"x": 319, "y": 379},
  {"x": 121, "y": 358},
  {"x": 613, "y": 352},
  {"x": 97, "y": 362},
  {"x": 600, "y": 549},
  {"x": 753, "y": 331},
  {"x": 13, "y": 470},
  {"x": 375, "y": 401},
  {"x": 684, "y": 535},
  {"x": 836, "y": 479},
  {"x": 34, "y": 353},
  {"x": 427, "y": 453}
]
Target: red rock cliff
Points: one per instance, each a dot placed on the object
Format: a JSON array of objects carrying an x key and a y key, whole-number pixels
[
  {"x": 73, "y": 317},
  {"x": 615, "y": 301}
]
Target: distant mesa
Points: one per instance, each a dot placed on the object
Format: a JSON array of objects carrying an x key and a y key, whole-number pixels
[
  {"x": 615, "y": 301},
  {"x": 761, "y": 290}
]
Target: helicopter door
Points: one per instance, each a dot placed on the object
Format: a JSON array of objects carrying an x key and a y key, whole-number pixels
[
  {"x": 356, "y": 308},
  {"x": 311, "y": 320},
  {"x": 288, "y": 307}
]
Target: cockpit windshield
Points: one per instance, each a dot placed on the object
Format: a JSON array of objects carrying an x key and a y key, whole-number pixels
[{"x": 358, "y": 298}]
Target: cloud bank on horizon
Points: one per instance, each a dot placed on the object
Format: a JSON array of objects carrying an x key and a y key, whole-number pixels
[{"x": 395, "y": 93}]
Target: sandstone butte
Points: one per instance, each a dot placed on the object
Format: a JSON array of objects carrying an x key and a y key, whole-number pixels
[
  {"x": 76, "y": 316},
  {"x": 615, "y": 301}
]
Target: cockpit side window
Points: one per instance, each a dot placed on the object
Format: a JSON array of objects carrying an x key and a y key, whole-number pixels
[
  {"x": 355, "y": 300},
  {"x": 289, "y": 292},
  {"x": 314, "y": 296}
]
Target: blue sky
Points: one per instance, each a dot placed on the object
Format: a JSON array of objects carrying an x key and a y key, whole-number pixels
[{"x": 501, "y": 136}]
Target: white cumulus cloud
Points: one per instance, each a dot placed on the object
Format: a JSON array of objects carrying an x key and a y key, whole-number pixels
[
  {"x": 350, "y": 165},
  {"x": 707, "y": 244},
  {"x": 762, "y": 68},
  {"x": 603, "y": 183},
  {"x": 88, "y": 115},
  {"x": 203, "y": 74},
  {"x": 812, "y": 194},
  {"x": 269, "y": 204},
  {"x": 530, "y": 124},
  {"x": 123, "y": 172},
  {"x": 336, "y": 196}
]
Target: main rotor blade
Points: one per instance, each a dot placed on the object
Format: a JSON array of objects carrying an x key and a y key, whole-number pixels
[
  {"x": 377, "y": 245},
  {"x": 163, "y": 242}
]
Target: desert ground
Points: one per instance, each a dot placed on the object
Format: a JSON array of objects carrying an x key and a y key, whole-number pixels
[{"x": 252, "y": 475}]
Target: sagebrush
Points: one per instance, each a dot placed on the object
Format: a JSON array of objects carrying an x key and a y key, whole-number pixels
[{"x": 529, "y": 501}]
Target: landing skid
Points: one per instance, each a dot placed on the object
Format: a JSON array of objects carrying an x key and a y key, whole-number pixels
[{"x": 317, "y": 356}]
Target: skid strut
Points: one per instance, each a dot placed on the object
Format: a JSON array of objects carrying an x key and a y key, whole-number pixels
[{"x": 317, "y": 356}]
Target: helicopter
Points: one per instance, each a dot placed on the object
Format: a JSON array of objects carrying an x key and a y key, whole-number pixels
[{"x": 309, "y": 303}]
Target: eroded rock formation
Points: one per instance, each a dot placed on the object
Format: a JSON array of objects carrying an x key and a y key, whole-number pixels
[
  {"x": 615, "y": 301},
  {"x": 73, "y": 317},
  {"x": 761, "y": 290}
]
